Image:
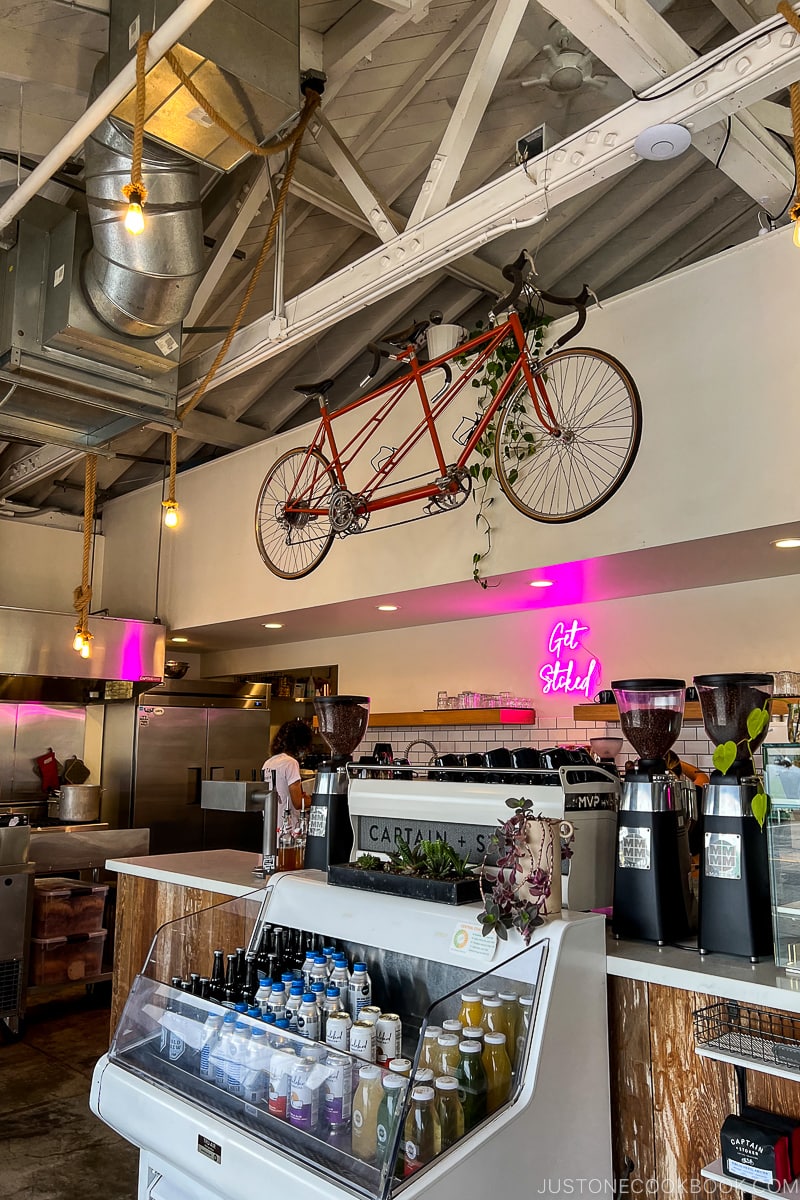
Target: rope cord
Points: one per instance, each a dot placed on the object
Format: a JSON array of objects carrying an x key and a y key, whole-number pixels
[
  {"x": 82, "y": 596},
  {"x": 135, "y": 191},
  {"x": 791, "y": 19}
]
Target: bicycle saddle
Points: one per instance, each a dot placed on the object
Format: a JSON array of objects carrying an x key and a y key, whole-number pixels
[{"x": 315, "y": 389}]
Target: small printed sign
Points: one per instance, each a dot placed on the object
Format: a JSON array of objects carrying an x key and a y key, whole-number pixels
[
  {"x": 469, "y": 942},
  {"x": 166, "y": 343},
  {"x": 377, "y": 834},
  {"x": 210, "y": 1149},
  {"x": 58, "y": 275},
  {"x": 317, "y": 821}
]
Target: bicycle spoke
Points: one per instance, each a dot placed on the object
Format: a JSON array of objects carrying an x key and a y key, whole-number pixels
[{"x": 293, "y": 529}]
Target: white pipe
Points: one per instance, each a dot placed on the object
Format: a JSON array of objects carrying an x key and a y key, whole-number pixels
[{"x": 162, "y": 40}]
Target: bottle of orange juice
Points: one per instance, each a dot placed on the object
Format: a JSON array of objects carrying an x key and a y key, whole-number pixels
[
  {"x": 494, "y": 1017},
  {"x": 471, "y": 1012},
  {"x": 497, "y": 1066}
]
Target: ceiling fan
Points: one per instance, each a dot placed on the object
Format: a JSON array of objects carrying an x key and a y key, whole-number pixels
[{"x": 570, "y": 65}]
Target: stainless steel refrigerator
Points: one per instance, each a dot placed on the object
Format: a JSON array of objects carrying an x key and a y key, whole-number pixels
[{"x": 177, "y": 736}]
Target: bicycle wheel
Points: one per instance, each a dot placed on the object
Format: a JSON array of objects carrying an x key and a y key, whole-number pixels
[
  {"x": 562, "y": 476},
  {"x": 292, "y": 539}
]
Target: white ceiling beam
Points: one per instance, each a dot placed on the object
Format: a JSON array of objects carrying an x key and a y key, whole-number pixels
[
  {"x": 28, "y": 56},
  {"x": 476, "y": 93},
  {"x": 444, "y": 50},
  {"x": 217, "y": 431},
  {"x": 697, "y": 97},
  {"x": 372, "y": 205},
  {"x": 244, "y": 211},
  {"x": 32, "y": 466},
  {"x": 641, "y": 47},
  {"x": 355, "y": 35},
  {"x": 776, "y": 117},
  {"x": 744, "y": 14}
]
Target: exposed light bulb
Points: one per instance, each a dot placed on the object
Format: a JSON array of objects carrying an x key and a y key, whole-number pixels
[
  {"x": 77, "y": 643},
  {"x": 85, "y": 650},
  {"x": 796, "y": 234},
  {"x": 170, "y": 513},
  {"x": 134, "y": 218}
]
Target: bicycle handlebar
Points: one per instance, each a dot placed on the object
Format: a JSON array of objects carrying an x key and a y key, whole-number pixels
[
  {"x": 514, "y": 272},
  {"x": 389, "y": 347}
]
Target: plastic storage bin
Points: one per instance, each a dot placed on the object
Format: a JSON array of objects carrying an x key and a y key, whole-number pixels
[
  {"x": 65, "y": 907},
  {"x": 64, "y": 960}
]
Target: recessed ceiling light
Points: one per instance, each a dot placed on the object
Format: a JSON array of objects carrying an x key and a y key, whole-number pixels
[
  {"x": 787, "y": 543},
  {"x": 541, "y": 583},
  {"x": 388, "y": 607},
  {"x": 179, "y": 639},
  {"x": 272, "y": 625}
]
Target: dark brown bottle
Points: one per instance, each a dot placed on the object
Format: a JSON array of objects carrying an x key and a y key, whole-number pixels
[
  {"x": 205, "y": 988},
  {"x": 251, "y": 983},
  {"x": 232, "y": 979},
  {"x": 218, "y": 977},
  {"x": 194, "y": 980},
  {"x": 241, "y": 967},
  {"x": 264, "y": 945}
]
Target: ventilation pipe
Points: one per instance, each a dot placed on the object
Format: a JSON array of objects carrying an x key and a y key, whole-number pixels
[{"x": 140, "y": 284}]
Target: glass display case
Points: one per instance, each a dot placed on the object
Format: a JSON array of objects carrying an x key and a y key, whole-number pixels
[
  {"x": 782, "y": 782},
  {"x": 226, "y": 1097}
]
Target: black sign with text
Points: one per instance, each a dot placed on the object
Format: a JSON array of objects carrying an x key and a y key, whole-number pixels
[{"x": 379, "y": 834}]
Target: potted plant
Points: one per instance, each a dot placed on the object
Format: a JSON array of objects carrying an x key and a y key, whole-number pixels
[
  {"x": 527, "y": 887},
  {"x": 431, "y": 870}
]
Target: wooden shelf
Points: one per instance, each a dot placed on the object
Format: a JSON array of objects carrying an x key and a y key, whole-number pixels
[
  {"x": 453, "y": 716},
  {"x": 752, "y": 1064},
  {"x": 692, "y": 712}
]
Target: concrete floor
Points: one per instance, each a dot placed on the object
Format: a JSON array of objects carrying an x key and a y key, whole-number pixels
[{"x": 51, "y": 1146}]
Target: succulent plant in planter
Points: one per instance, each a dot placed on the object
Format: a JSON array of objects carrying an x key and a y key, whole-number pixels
[{"x": 526, "y": 871}]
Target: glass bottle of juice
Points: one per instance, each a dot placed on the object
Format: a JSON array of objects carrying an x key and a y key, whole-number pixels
[
  {"x": 429, "y": 1055},
  {"x": 366, "y": 1104},
  {"x": 471, "y": 1011},
  {"x": 451, "y": 1112},
  {"x": 510, "y": 1003},
  {"x": 494, "y": 1017},
  {"x": 394, "y": 1092},
  {"x": 449, "y": 1054},
  {"x": 420, "y": 1131},
  {"x": 472, "y": 1085},
  {"x": 497, "y": 1066},
  {"x": 523, "y": 1025},
  {"x": 474, "y": 1033}
]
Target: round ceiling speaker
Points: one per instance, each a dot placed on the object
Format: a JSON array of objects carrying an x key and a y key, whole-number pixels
[{"x": 662, "y": 141}]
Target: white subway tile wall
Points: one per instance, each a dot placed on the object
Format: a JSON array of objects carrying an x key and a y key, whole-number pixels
[{"x": 693, "y": 746}]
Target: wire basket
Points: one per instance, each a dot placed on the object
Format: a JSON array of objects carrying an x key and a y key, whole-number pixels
[{"x": 747, "y": 1032}]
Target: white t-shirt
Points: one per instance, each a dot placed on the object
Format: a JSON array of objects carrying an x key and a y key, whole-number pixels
[{"x": 287, "y": 772}]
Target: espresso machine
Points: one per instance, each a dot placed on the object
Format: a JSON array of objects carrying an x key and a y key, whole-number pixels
[
  {"x": 651, "y": 877},
  {"x": 342, "y": 722},
  {"x": 735, "y": 915}
]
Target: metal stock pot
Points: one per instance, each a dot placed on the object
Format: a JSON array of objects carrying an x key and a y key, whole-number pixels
[{"x": 78, "y": 802}]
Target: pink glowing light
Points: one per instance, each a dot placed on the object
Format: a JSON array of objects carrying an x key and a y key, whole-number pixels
[{"x": 571, "y": 669}]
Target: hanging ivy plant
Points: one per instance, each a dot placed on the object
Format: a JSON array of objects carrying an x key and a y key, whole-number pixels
[{"x": 534, "y": 323}]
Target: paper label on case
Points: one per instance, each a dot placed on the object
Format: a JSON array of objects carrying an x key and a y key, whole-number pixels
[
  {"x": 317, "y": 821},
  {"x": 468, "y": 941},
  {"x": 746, "y": 1171}
]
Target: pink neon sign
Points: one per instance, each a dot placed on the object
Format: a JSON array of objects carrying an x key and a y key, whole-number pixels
[{"x": 572, "y": 668}]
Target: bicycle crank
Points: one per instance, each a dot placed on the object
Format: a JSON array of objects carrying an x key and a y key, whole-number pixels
[
  {"x": 454, "y": 488},
  {"x": 347, "y": 512}
]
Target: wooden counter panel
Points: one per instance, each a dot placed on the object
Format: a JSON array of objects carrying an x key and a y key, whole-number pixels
[
  {"x": 632, "y": 1131},
  {"x": 144, "y": 905},
  {"x": 692, "y": 1096}
]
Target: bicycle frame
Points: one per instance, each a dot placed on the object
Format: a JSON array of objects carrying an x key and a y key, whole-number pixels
[{"x": 484, "y": 344}]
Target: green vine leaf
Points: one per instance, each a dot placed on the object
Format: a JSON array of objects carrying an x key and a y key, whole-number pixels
[
  {"x": 757, "y": 720},
  {"x": 760, "y": 804},
  {"x": 725, "y": 756}
]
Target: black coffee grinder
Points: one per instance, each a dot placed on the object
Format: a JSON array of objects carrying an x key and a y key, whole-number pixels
[
  {"x": 342, "y": 723},
  {"x": 651, "y": 876},
  {"x": 735, "y": 915}
]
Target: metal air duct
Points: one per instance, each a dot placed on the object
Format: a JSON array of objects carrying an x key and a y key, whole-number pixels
[{"x": 140, "y": 285}]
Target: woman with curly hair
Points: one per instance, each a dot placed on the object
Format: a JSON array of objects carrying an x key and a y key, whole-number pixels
[{"x": 290, "y": 742}]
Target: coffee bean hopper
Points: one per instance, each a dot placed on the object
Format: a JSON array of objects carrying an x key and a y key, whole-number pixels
[
  {"x": 342, "y": 723},
  {"x": 651, "y": 878}
]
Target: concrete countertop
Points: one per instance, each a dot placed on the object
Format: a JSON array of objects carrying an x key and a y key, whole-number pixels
[
  {"x": 227, "y": 872},
  {"x": 720, "y": 975}
]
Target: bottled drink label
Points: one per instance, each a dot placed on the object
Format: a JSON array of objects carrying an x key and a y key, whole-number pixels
[
  {"x": 304, "y": 1096},
  {"x": 388, "y": 1037},
  {"x": 362, "y": 1041},
  {"x": 338, "y": 1105},
  {"x": 280, "y": 1076},
  {"x": 308, "y": 1023},
  {"x": 337, "y": 1031}
]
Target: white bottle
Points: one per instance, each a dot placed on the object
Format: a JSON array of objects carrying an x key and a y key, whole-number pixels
[
  {"x": 319, "y": 972},
  {"x": 293, "y": 1005},
  {"x": 308, "y": 967},
  {"x": 308, "y": 1022},
  {"x": 211, "y": 1032},
  {"x": 219, "y": 1053},
  {"x": 277, "y": 1001},
  {"x": 263, "y": 994},
  {"x": 332, "y": 1003},
  {"x": 360, "y": 989},
  {"x": 340, "y": 976},
  {"x": 255, "y": 1076},
  {"x": 237, "y": 1057}
]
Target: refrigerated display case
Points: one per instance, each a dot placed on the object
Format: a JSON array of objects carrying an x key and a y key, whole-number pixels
[{"x": 199, "y": 1137}]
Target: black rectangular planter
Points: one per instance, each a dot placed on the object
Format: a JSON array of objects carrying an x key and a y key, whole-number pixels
[{"x": 413, "y": 887}]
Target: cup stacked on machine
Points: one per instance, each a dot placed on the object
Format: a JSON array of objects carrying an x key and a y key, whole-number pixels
[{"x": 347, "y": 1079}]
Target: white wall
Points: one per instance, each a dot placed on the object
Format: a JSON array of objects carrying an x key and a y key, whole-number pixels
[
  {"x": 41, "y": 566},
  {"x": 744, "y": 626},
  {"x": 713, "y": 350}
]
